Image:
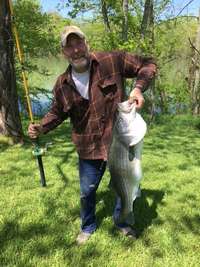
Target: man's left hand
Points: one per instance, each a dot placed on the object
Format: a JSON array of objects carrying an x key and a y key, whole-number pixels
[{"x": 137, "y": 97}]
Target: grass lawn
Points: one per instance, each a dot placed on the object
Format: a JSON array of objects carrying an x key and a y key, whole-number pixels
[{"x": 38, "y": 226}]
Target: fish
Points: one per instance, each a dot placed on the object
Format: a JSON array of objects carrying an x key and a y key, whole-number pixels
[{"x": 124, "y": 158}]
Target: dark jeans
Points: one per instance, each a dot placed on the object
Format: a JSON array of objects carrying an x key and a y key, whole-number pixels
[{"x": 91, "y": 173}]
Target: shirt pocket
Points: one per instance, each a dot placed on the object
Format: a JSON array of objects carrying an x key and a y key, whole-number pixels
[{"x": 108, "y": 88}]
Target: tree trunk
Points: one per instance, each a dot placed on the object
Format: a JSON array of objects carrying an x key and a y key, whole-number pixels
[
  {"x": 125, "y": 21},
  {"x": 163, "y": 102},
  {"x": 147, "y": 34},
  {"x": 10, "y": 123},
  {"x": 104, "y": 12},
  {"x": 194, "y": 74},
  {"x": 152, "y": 101},
  {"x": 148, "y": 21}
]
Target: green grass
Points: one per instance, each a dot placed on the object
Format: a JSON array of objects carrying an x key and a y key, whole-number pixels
[{"x": 38, "y": 226}]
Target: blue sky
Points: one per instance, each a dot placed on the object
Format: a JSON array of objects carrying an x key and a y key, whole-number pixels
[{"x": 50, "y": 5}]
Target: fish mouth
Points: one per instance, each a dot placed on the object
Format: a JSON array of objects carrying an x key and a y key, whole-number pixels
[{"x": 125, "y": 107}]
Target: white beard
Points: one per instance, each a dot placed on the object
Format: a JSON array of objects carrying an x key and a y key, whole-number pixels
[{"x": 80, "y": 66}]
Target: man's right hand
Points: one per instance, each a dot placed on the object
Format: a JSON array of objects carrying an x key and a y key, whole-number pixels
[
  {"x": 34, "y": 130},
  {"x": 137, "y": 97}
]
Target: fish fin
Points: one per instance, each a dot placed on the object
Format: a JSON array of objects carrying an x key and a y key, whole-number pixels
[{"x": 131, "y": 153}]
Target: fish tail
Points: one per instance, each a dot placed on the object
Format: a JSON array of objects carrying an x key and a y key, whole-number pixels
[
  {"x": 130, "y": 219},
  {"x": 124, "y": 218}
]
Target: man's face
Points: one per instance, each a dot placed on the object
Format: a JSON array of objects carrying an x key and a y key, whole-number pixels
[{"x": 76, "y": 52}]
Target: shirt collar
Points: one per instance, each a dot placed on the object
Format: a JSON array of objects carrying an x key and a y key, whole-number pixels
[{"x": 67, "y": 74}]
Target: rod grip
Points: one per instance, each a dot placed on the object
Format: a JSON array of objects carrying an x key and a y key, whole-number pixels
[
  {"x": 35, "y": 142},
  {"x": 41, "y": 168}
]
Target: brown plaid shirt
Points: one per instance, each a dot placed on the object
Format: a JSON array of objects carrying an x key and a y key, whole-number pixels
[{"x": 92, "y": 119}]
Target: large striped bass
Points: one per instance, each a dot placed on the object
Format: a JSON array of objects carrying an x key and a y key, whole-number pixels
[{"x": 124, "y": 159}]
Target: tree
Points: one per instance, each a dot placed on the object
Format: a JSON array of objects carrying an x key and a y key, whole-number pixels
[
  {"x": 104, "y": 11},
  {"x": 10, "y": 123},
  {"x": 147, "y": 34},
  {"x": 147, "y": 24},
  {"x": 125, "y": 20},
  {"x": 38, "y": 39},
  {"x": 174, "y": 57},
  {"x": 39, "y": 32},
  {"x": 194, "y": 73}
]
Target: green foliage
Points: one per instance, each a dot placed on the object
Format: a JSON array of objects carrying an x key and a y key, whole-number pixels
[
  {"x": 172, "y": 51},
  {"x": 38, "y": 226},
  {"x": 76, "y": 7},
  {"x": 39, "y": 36},
  {"x": 170, "y": 47},
  {"x": 35, "y": 36},
  {"x": 39, "y": 32}
]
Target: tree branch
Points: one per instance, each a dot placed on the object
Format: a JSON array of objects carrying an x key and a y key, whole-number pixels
[
  {"x": 193, "y": 46},
  {"x": 184, "y": 7}
]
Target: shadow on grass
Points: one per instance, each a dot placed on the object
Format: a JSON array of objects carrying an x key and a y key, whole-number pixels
[
  {"x": 171, "y": 136},
  {"x": 145, "y": 208},
  {"x": 12, "y": 232},
  {"x": 34, "y": 240},
  {"x": 192, "y": 223},
  {"x": 3, "y": 146},
  {"x": 58, "y": 138},
  {"x": 55, "y": 225},
  {"x": 108, "y": 199},
  {"x": 61, "y": 151},
  {"x": 64, "y": 160}
]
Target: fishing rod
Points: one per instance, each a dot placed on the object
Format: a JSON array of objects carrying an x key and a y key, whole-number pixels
[{"x": 37, "y": 151}]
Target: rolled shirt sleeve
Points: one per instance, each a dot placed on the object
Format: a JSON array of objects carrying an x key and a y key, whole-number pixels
[{"x": 143, "y": 68}]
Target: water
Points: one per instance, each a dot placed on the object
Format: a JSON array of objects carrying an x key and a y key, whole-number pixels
[{"x": 53, "y": 67}]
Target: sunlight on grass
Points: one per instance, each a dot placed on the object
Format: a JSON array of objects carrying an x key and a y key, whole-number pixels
[{"x": 38, "y": 226}]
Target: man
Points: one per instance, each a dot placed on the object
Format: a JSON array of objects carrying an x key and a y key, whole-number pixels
[{"x": 88, "y": 93}]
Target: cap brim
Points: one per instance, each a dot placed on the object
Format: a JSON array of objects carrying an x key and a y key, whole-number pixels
[{"x": 65, "y": 37}]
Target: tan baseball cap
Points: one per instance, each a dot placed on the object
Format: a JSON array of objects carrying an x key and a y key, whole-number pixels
[{"x": 67, "y": 31}]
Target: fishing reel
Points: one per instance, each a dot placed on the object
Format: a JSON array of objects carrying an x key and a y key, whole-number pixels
[{"x": 40, "y": 151}]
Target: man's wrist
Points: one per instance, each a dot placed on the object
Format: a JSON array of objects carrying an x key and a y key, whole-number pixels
[{"x": 135, "y": 90}]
